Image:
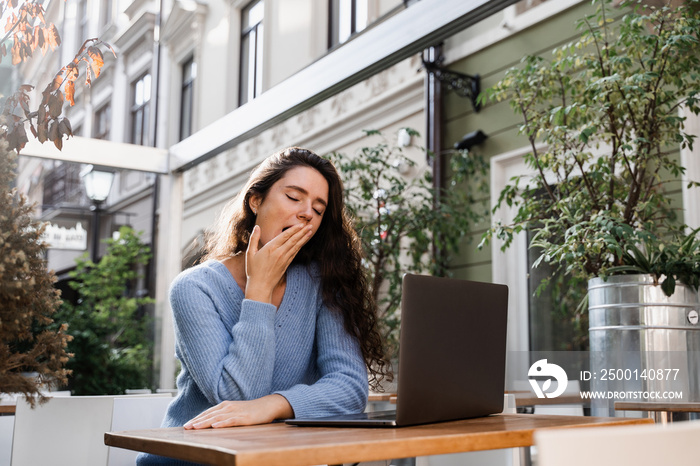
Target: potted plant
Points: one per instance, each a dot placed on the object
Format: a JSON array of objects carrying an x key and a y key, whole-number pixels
[
  {"x": 401, "y": 225},
  {"x": 603, "y": 120}
]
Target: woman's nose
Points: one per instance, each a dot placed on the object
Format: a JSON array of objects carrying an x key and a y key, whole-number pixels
[{"x": 305, "y": 213}]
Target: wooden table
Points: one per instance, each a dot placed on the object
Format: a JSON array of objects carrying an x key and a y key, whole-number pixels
[
  {"x": 7, "y": 408},
  {"x": 530, "y": 399},
  {"x": 662, "y": 413},
  {"x": 381, "y": 397},
  {"x": 280, "y": 444}
]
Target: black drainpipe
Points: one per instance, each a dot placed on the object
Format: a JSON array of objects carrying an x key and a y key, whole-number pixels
[{"x": 433, "y": 93}]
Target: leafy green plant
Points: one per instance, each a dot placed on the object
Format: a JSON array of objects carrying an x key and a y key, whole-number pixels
[
  {"x": 669, "y": 260},
  {"x": 603, "y": 122},
  {"x": 399, "y": 218},
  {"x": 110, "y": 344}
]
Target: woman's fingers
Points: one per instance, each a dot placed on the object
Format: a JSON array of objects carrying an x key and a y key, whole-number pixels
[
  {"x": 242, "y": 413},
  {"x": 222, "y": 412},
  {"x": 254, "y": 241},
  {"x": 214, "y": 421},
  {"x": 293, "y": 245},
  {"x": 202, "y": 417},
  {"x": 288, "y": 235},
  {"x": 281, "y": 249},
  {"x": 266, "y": 266}
]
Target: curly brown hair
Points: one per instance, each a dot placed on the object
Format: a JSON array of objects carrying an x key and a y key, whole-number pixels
[{"x": 335, "y": 248}]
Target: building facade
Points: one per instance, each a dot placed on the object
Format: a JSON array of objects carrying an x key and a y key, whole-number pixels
[{"x": 221, "y": 84}]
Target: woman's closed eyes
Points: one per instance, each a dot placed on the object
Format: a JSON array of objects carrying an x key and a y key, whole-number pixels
[{"x": 297, "y": 200}]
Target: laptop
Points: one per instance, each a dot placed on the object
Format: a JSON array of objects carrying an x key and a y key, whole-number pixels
[{"x": 452, "y": 355}]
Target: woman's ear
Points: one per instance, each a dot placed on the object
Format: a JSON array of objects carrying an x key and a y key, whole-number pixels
[{"x": 254, "y": 203}]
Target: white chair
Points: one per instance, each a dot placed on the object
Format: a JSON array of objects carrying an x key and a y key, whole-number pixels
[
  {"x": 138, "y": 391},
  {"x": 135, "y": 412},
  {"x": 643, "y": 445},
  {"x": 171, "y": 391},
  {"x": 70, "y": 431},
  {"x": 7, "y": 425},
  {"x": 64, "y": 431}
]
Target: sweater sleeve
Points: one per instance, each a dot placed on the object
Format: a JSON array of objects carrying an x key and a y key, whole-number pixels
[
  {"x": 342, "y": 387},
  {"x": 226, "y": 364}
]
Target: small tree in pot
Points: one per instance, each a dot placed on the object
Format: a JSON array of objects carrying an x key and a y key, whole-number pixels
[{"x": 602, "y": 118}]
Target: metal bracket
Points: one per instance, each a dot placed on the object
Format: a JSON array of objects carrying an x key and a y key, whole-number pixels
[{"x": 464, "y": 85}]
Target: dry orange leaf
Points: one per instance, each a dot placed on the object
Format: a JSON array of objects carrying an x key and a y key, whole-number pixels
[
  {"x": 16, "y": 53},
  {"x": 55, "y": 135},
  {"x": 55, "y": 104},
  {"x": 72, "y": 72},
  {"x": 70, "y": 92},
  {"x": 54, "y": 39},
  {"x": 97, "y": 60},
  {"x": 37, "y": 38},
  {"x": 42, "y": 130},
  {"x": 65, "y": 128}
]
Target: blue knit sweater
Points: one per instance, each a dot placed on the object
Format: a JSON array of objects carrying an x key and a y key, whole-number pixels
[{"x": 233, "y": 348}]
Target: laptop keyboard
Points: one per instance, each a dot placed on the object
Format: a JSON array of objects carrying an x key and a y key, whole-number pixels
[{"x": 391, "y": 414}]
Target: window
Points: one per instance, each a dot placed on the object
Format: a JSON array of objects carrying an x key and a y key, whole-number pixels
[
  {"x": 102, "y": 123},
  {"x": 105, "y": 13},
  {"x": 82, "y": 19},
  {"x": 62, "y": 185},
  {"x": 553, "y": 321},
  {"x": 189, "y": 73},
  {"x": 346, "y": 18},
  {"x": 536, "y": 322},
  {"x": 141, "y": 98},
  {"x": 251, "y": 51}
]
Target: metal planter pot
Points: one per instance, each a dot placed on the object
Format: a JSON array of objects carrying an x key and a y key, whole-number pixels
[{"x": 643, "y": 344}]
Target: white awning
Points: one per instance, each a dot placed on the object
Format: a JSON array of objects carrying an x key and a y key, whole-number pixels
[{"x": 99, "y": 152}]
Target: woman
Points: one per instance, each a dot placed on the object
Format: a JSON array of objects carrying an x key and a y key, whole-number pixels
[{"x": 277, "y": 321}]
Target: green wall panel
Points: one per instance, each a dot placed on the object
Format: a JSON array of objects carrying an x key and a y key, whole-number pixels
[
  {"x": 477, "y": 272},
  {"x": 491, "y": 62}
]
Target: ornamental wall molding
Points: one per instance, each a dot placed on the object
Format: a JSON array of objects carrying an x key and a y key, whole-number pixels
[{"x": 316, "y": 128}]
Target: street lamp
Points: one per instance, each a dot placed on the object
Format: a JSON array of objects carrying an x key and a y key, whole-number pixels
[{"x": 98, "y": 184}]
